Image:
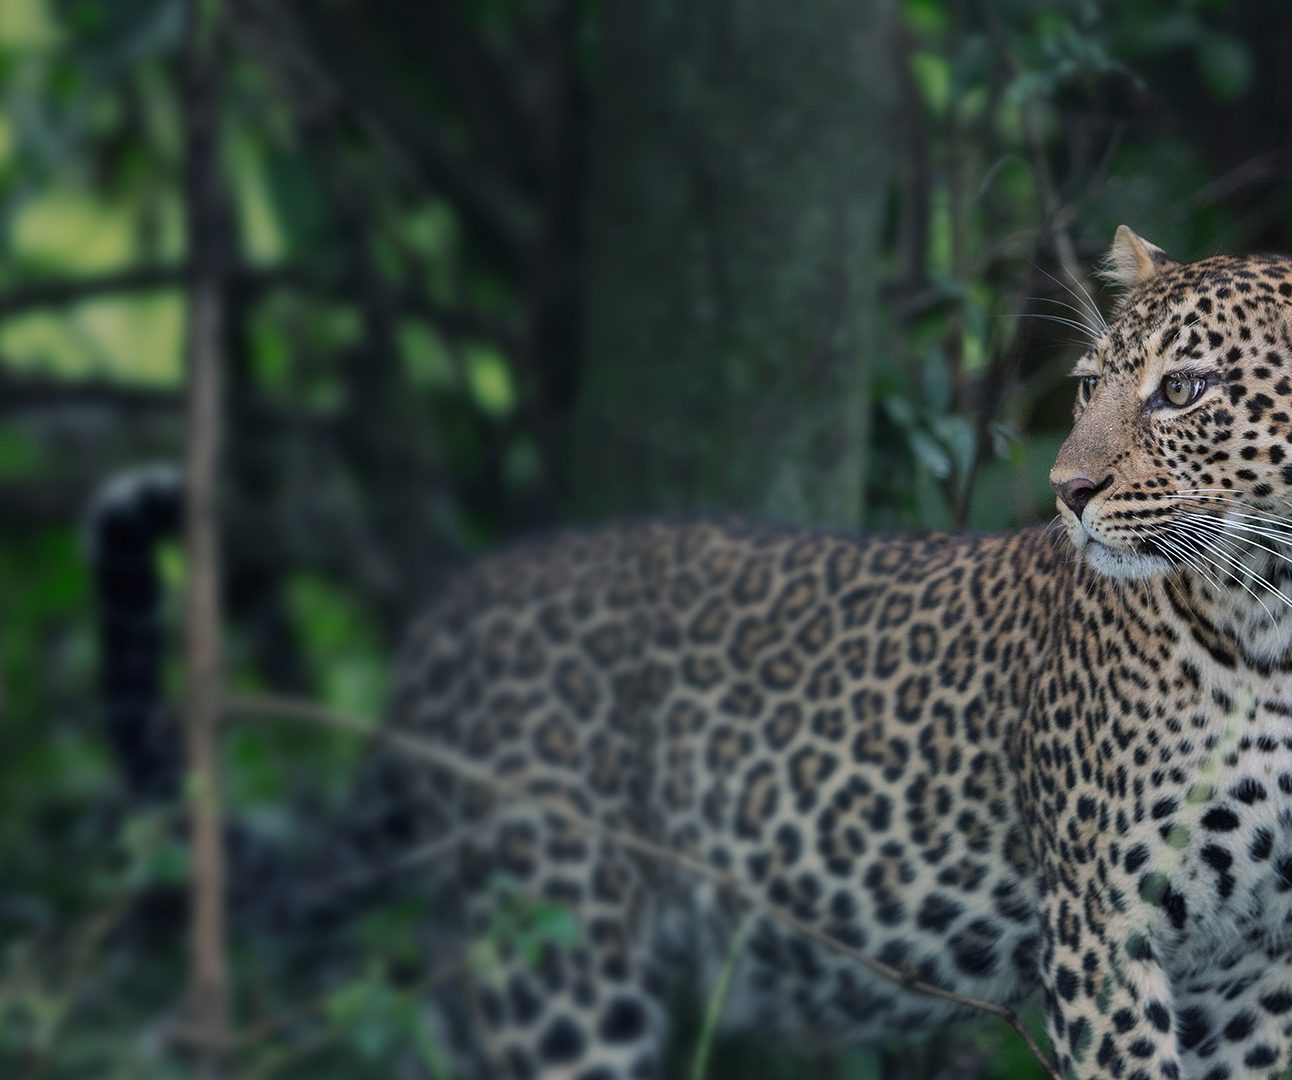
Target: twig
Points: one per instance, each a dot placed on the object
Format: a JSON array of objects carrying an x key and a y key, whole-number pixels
[
  {"x": 309, "y": 713},
  {"x": 953, "y": 335},
  {"x": 1261, "y": 169},
  {"x": 202, "y": 604},
  {"x": 67, "y": 292},
  {"x": 912, "y": 239}
]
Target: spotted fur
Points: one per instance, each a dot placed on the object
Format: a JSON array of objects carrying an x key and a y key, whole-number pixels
[{"x": 1001, "y": 764}]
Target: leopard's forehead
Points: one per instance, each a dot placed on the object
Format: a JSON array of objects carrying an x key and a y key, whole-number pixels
[{"x": 1217, "y": 308}]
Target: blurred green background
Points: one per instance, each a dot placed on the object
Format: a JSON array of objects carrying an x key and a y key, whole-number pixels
[{"x": 494, "y": 265}]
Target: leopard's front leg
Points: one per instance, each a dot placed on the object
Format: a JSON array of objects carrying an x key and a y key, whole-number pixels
[{"x": 1108, "y": 997}]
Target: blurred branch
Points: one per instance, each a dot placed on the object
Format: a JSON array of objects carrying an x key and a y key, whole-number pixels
[
  {"x": 40, "y": 505},
  {"x": 956, "y": 200},
  {"x": 23, "y": 393},
  {"x": 1261, "y": 169},
  {"x": 913, "y": 222},
  {"x": 202, "y": 645},
  {"x": 60, "y": 293},
  {"x": 40, "y": 296},
  {"x": 472, "y": 772},
  {"x": 551, "y": 347}
]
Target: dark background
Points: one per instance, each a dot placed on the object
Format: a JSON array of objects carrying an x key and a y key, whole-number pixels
[{"x": 496, "y": 265}]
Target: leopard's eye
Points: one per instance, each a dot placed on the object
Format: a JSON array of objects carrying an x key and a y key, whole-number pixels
[
  {"x": 1179, "y": 389},
  {"x": 1086, "y": 387}
]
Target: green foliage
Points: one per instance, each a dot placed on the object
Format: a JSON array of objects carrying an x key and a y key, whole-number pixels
[
  {"x": 341, "y": 646},
  {"x": 379, "y": 1023},
  {"x": 523, "y": 925}
]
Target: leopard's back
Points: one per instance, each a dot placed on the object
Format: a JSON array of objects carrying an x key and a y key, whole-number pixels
[{"x": 819, "y": 719}]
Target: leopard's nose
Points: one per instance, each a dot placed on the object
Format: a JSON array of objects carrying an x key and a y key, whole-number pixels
[{"x": 1078, "y": 491}]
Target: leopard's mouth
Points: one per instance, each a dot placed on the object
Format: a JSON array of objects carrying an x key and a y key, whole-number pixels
[
  {"x": 1125, "y": 564},
  {"x": 1144, "y": 560}
]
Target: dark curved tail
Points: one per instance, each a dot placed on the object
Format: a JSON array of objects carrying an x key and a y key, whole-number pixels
[
  {"x": 128, "y": 519},
  {"x": 302, "y": 891}
]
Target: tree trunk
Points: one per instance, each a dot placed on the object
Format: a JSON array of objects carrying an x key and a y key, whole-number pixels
[{"x": 739, "y": 167}]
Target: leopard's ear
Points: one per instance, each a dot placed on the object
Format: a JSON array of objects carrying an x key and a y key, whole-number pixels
[{"x": 1133, "y": 260}]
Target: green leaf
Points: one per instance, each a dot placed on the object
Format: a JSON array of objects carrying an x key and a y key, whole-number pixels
[
  {"x": 364, "y": 1014},
  {"x": 343, "y": 647},
  {"x": 27, "y": 24},
  {"x": 930, "y": 453},
  {"x": 66, "y": 228},
  {"x": 1225, "y": 65},
  {"x": 522, "y": 464},
  {"x": 899, "y": 409},
  {"x": 137, "y": 340},
  {"x": 925, "y": 17},
  {"x": 490, "y": 380},
  {"x": 956, "y": 433},
  {"x": 932, "y": 75},
  {"x": 1028, "y": 85},
  {"x": 937, "y": 379},
  {"x": 7, "y": 140},
  {"x": 154, "y": 853},
  {"x": 271, "y": 347},
  {"x": 20, "y": 453},
  {"x": 426, "y": 357}
]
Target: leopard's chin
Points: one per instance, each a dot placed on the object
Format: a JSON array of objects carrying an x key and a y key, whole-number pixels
[
  {"x": 1125, "y": 565},
  {"x": 1115, "y": 561}
]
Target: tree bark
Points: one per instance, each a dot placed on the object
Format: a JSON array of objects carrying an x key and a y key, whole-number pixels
[{"x": 740, "y": 161}]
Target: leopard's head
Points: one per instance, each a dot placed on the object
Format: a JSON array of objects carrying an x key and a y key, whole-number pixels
[{"x": 1180, "y": 457}]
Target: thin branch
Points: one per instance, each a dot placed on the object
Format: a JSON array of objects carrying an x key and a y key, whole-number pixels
[
  {"x": 64, "y": 292},
  {"x": 912, "y": 240},
  {"x": 33, "y": 394},
  {"x": 41, "y": 296},
  {"x": 202, "y": 647},
  {"x": 29, "y": 393},
  {"x": 955, "y": 329},
  {"x": 445, "y": 758},
  {"x": 1261, "y": 169}
]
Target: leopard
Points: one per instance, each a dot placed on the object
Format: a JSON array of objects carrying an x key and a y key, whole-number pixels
[{"x": 1051, "y": 765}]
